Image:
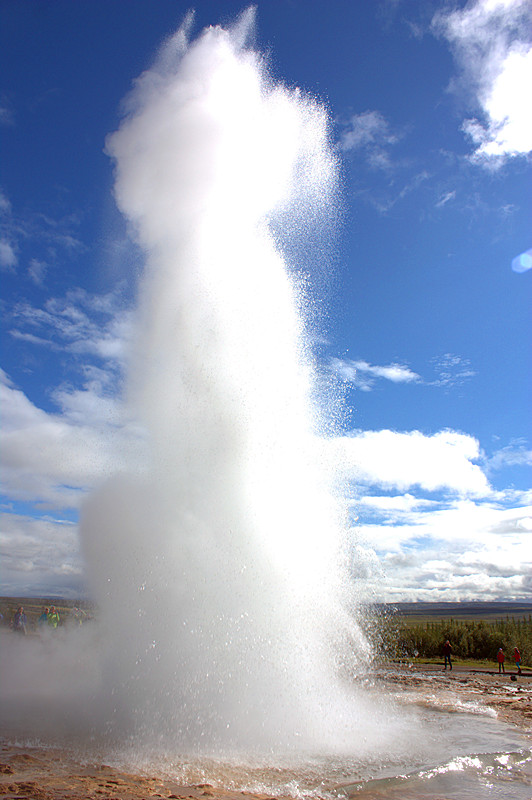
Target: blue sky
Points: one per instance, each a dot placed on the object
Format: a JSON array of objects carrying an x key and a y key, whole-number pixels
[{"x": 428, "y": 324}]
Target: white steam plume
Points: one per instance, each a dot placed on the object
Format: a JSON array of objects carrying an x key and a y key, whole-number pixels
[{"x": 220, "y": 567}]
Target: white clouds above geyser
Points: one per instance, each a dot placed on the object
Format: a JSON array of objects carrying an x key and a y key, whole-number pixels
[
  {"x": 492, "y": 43},
  {"x": 391, "y": 459}
]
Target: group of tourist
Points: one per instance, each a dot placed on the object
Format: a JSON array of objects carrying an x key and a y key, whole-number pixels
[
  {"x": 447, "y": 650},
  {"x": 49, "y": 617},
  {"x": 517, "y": 659}
]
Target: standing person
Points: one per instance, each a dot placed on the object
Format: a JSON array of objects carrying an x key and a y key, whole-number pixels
[
  {"x": 447, "y": 650},
  {"x": 20, "y": 621},
  {"x": 53, "y": 618},
  {"x": 500, "y": 660},
  {"x": 517, "y": 659},
  {"x": 43, "y": 618}
]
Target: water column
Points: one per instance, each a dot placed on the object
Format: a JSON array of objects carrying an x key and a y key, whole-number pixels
[{"x": 217, "y": 563}]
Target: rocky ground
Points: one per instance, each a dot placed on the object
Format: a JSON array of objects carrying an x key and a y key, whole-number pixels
[{"x": 42, "y": 774}]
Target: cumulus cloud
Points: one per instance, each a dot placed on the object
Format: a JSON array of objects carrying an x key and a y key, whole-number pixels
[
  {"x": 53, "y": 460},
  {"x": 394, "y": 505},
  {"x": 38, "y": 553},
  {"x": 363, "y": 375},
  {"x": 427, "y": 523},
  {"x": 391, "y": 459},
  {"x": 458, "y": 549},
  {"x": 492, "y": 43}
]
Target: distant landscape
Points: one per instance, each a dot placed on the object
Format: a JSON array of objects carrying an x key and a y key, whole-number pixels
[
  {"x": 397, "y": 631},
  {"x": 473, "y": 610},
  {"x": 476, "y": 630}
]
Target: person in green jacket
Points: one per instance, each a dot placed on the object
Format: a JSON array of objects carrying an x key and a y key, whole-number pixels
[{"x": 53, "y": 618}]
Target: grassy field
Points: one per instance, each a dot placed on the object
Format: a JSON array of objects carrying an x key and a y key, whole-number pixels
[{"x": 476, "y": 631}]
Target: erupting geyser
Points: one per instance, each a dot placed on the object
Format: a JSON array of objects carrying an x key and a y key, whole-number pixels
[
  {"x": 219, "y": 566},
  {"x": 227, "y": 645}
]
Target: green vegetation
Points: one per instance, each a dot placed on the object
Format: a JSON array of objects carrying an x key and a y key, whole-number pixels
[{"x": 396, "y": 638}]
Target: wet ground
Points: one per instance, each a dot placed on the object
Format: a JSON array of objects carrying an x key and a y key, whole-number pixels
[{"x": 37, "y": 772}]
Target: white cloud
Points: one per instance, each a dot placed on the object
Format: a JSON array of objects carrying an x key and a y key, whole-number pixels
[
  {"x": 363, "y": 375},
  {"x": 445, "y": 198},
  {"x": 461, "y": 550},
  {"x": 428, "y": 524},
  {"x": 52, "y": 460},
  {"x": 369, "y": 132},
  {"x": 8, "y": 257},
  {"x": 37, "y": 271},
  {"x": 369, "y": 129},
  {"x": 396, "y": 504},
  {"x": 515, "y": 454},
  {"x": 38, "y": 554},
  {"x": 492, "y": 42},
  {"x": 79, "y": 323},
  {"x": 393, "y": 460},
  {"x": 5, "y": 205}
]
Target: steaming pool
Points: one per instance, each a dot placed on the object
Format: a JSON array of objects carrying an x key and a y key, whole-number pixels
[
  {"x": 456, "y": 754},
  {"x": 460, "y": 756}
]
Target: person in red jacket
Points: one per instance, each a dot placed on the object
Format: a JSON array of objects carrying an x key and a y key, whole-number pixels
[
  {"x": 517, "y": 659},
  {"x": 447, "y": 650},
  {"x": 500, "y": 659}
]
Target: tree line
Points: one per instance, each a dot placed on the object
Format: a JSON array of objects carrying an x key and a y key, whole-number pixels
[{"x": 395, "y": 638}]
